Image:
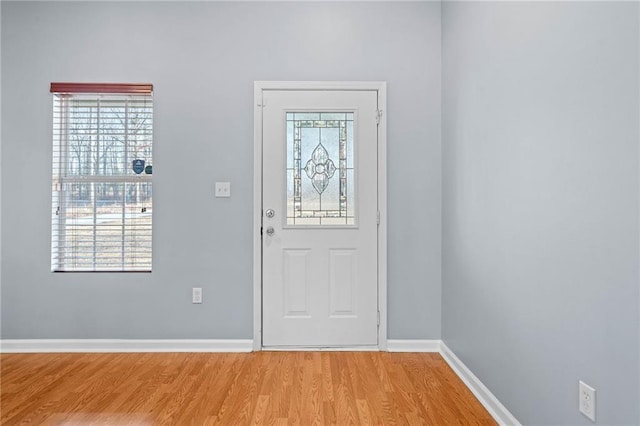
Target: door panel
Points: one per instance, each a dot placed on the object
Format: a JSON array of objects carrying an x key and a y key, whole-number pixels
[
  {"x": 343, "y": 266},
  {"x": 319, "y": 247},
  {"x": 296, "y": 281}
]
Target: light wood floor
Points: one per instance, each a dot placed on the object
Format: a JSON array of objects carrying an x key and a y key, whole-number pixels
[{"x": 270, "y": 388}]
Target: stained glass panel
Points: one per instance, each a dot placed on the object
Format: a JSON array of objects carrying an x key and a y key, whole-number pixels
[{"x": 320, "y": 168}]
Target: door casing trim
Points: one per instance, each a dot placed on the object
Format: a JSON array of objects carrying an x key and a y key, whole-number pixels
[{"x": 259, "y": 87}]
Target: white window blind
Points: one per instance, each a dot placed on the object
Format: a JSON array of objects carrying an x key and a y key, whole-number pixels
[{"x": 102, "y": 177}]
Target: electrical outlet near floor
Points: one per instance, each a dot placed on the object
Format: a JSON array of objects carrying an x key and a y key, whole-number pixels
[
  {"x": 196, "y": 295},
  {"x": 587, "y": 396}
]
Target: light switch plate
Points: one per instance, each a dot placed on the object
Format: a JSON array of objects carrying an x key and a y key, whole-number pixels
[{"x": 223, "y": 189}]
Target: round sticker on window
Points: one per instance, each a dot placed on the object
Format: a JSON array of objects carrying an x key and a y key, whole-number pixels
[{"x": 138, "y": 166}]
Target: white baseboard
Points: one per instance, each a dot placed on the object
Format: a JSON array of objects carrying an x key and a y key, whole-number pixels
[
  {"x": 124, "y": 345},
  {"x": 397, "y": 345},
  {"x": 498, "y": 411}
]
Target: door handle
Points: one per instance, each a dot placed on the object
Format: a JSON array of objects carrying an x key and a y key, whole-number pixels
[{"x": 270, "y": 230}]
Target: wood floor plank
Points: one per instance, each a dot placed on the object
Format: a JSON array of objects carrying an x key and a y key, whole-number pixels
[{"x": 261, "y": 388}]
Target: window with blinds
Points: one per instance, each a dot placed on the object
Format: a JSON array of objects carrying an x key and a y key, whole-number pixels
[{"x": 102, "y": 177}]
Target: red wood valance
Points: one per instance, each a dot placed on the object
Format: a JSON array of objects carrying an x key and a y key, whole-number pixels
[{"x": 137, "y": 88}]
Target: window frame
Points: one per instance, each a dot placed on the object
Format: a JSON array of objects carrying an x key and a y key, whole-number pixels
[{"x": 63, "y": 93}]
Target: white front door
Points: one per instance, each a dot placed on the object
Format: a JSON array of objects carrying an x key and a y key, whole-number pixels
[{"x": 320, "y": 209}]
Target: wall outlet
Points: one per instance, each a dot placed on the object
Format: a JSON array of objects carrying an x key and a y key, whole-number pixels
[
  {"x": 196, "y": 295},
  {"x": 587, "y": 396}
]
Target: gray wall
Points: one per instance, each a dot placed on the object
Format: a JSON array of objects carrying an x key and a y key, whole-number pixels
[
  {"x": 540, "y": 206},
  {"x": 203, "y": 59}
]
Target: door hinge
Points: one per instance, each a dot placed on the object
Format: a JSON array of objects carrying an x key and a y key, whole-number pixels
[
  {"x": 378, "y": 217},
  {"x": 378, "y": 318},
  {"x": 378, "y": 116}
]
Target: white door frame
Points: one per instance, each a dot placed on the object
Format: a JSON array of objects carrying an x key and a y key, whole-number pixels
[{"x": 259, "y": 87}]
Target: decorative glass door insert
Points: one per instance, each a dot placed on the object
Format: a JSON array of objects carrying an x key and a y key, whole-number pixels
[{"x": 320, "y": 168}]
